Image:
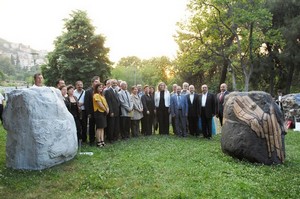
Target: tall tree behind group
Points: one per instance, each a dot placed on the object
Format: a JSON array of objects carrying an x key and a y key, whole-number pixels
[
  {"x": 286, "y": 17},
  {"x": 148, "y": 71},
  {"x": 79, "y": 54},
  {"x": 224, "y": 36}
]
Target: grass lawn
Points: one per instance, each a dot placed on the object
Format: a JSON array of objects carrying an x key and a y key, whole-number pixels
[{"x": 156, "y": 167}]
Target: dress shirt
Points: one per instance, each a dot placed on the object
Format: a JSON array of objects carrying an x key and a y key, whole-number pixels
[
  {"x": 203, "y": 101},
  {"x": 192, "y": 98}
]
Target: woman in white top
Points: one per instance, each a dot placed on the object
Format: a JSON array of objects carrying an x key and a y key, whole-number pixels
[{"x": 162, "y": 104}]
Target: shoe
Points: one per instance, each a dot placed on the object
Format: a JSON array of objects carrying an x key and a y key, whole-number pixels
[
  {"x": 103, "y": 143},
  {"x": 99, "y": 144}
]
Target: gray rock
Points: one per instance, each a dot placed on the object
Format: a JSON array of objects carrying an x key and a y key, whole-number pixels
[
  {"x": 291, "y": 106},
  {"x": 40, "y": 130},
  {"x": 253, "y": 128}
]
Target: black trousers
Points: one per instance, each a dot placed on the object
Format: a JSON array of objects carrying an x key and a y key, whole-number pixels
[
  {"x": 147, "y": 122},
  {"x": 206, "y": 124},
  {"x": 135, "y": 128},
  {"x": 193, "y": 125},
  {"x": 221, "y": 118},
  {"x": 112, "y": 130},
  {"x": 125, "y": 127},
  {"x": 83, "y": 124},
  {"x": 1, "y": 111},
  {"x": 92, "y": 127},
  {"x": 163, "y": 120}
]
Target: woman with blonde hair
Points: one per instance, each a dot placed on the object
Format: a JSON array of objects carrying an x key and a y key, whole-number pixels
[
  {"x": 162, "y": 104},
  {"x": 100, "y": 111}
]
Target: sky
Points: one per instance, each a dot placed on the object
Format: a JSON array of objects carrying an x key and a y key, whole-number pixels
[{"x": 142, "y": 28}]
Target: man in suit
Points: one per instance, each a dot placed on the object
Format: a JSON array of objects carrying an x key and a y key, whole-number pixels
[
  {"x": 220, "y": 102},
  {"x": 206, "y": 110},
  {"x": 126, "y": 110},
  {"x": 89, "y": 109},
  {"x": 192, "y": 101},
  {"x": 179, "y": 111},
  {"x": 80, "y": 93},
  {"x": 113, "y": 117},
  {"x": 278, "y": 99}
]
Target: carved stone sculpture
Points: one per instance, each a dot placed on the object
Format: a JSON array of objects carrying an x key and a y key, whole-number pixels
[
  {"x": 40, "y": 130},
  {"x": 253, "y": 128}
]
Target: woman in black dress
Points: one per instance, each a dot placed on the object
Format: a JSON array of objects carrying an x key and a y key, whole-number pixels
[
  {"x": 148, "y": 111},
  {"x": 72, "y": 105}
]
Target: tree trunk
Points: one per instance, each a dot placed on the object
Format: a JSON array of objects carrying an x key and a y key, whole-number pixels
[
  {"x": 247, "y": 80},
  {"x": 224, "y": 71},
  {"x": 290, "y": 78},
  {"x": 233, "y": 80},
  {"x": 272, "y": 75}
]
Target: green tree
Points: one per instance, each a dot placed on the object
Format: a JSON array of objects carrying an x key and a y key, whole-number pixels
[
  {"x": 286, "y": 18},
  {"x": 151, "y": 71},
  {"x": 79, "y": 54},
  {"x": 128, "y": 69},
  {"x": 157, "y": 69},
  {"x": 223, "y": 36},
  {"x": 6, "y": 66}
]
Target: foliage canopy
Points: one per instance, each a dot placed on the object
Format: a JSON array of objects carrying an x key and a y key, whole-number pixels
[{"x": 79, "y": 54}]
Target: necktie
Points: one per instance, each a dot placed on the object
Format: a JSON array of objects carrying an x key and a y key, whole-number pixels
[
  {"x": 178, "y": 101},
  {"x": 127, "y": 96},
  {"x": 221, "y": 96}
]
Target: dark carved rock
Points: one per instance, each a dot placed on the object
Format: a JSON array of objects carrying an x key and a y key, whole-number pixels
[{"x": 253, "y": 128}]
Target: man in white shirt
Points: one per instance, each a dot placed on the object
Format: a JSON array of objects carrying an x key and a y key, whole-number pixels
[
  {"x": 38, "y": 80},
  {"x": 206, "y": 111},
  {"x": 79, "y": 93}
]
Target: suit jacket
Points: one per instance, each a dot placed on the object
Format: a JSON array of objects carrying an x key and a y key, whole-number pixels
[
  {"x": 192, "y": 107},
  {"x": 137, "y": 105},
  {"x": 220, "y": 102},
  {"x": 126, "y": 103},
  {"x": 88, "y": 101},
  {"x": 174, "y": 105},
  {"x": 209, "y": 105},
  {"x": 148, "y": 104},
  {"x": 112, "y": 99}
]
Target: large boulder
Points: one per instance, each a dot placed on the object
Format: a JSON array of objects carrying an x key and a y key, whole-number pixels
[
  {"x": 291, "y": 107},
  {"x": 40, "y": 130},
  {"x": 253, "y": 128}
]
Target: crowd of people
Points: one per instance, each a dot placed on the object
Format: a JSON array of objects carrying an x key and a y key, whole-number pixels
[{"x": 109, "y": 112}]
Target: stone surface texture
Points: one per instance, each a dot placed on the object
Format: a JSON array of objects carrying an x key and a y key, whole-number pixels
[
  {"x": 41, "y": 132},
  {"x": 253, "y": 128},
  {"x": 291, "y": 106}
]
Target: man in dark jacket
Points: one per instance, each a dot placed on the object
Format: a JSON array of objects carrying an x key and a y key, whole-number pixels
[
  {"x": 206, "y": 110},
  {"x": 88, "y": 104},
  {"x": 113, "y": 117},
  {"x": 220, "y": 102},
  {"x": 192, "y": 99}
]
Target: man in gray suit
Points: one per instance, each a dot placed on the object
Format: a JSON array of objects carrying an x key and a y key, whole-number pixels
[
  {"x": 179, "y": 111},
  {"x": 126, "y": 110}
]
